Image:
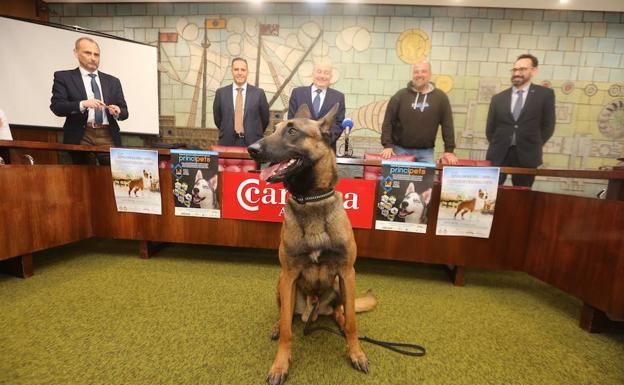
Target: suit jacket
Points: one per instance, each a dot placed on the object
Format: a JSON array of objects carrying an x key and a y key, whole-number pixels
[
  {"x": 255, "y": 115},
  {"x": 534, "y": 127},
  {"x": 68, "y": 91},
  {"x": 303, "y": 95}
]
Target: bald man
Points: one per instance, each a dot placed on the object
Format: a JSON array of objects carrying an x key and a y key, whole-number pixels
[
  {"x": 320, "y": 99},
  {"x": 412, "y": 119}
]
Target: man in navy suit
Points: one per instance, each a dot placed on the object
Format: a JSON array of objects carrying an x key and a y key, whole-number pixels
[
  {"x": 91, "y": 101},
  {"x": 240, "y": 110},
  {"x": 520, "y": 121},
  {"x": 320, "y": 99}
]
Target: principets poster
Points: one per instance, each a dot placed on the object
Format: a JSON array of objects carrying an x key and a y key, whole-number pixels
[
  {"x": 195, "y": 183},
  {"x": 403, "y": 195}
]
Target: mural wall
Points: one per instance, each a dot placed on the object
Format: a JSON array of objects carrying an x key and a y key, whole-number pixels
[{"x": 471, "y": 51}]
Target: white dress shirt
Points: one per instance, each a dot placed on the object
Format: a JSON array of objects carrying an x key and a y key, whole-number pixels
[
  {"x": 323, "y": 94},
  {"x": 514, "y": 96}
]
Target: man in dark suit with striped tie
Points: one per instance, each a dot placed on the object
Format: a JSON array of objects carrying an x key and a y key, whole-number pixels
[
  {"x": 91, "y": 101},
  {"x": 320, "y": 99},
  {"x": 520, "y": 121}
]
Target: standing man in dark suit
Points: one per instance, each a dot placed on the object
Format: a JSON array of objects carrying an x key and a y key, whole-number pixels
[
  {"x": 240, "y": 110},
  {"x": 520, "y": 121},
  {"x": 320, "y": 99},
  {"x": 91, "y": 101}
]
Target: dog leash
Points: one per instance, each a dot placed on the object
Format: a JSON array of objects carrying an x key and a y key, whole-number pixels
[{"x": 413, "y": 350}]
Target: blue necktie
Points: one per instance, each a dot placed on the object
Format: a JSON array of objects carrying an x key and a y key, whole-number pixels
[
  {"x": 316, "y": 103},
  {"x": 99, "y": 119},
  {"x": 518, "y": 106}
]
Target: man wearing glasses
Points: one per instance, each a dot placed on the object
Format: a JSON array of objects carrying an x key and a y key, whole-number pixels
[{"x": 520, "y": 121}]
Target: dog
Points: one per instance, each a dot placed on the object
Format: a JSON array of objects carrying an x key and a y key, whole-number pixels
[
  {"x": 317, "y": 249},
  {"x": 471, "y": 205},
  {"x": 140, "y": 184},
  {"x": 205, "y": 192},
  {"x": 413, "y": 207}
]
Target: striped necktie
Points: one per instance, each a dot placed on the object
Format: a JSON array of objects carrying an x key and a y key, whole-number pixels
[{"x": 99, "y": 117}]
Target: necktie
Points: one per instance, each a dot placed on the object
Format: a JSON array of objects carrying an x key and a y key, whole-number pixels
[
  {"x": 99, "y": 119},
  {"x": 238, "y": 112},
  {"x": 518, "y": 106},
  {"x": 316, "y": 103}
]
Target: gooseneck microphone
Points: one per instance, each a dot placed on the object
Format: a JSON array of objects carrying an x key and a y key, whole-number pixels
[{"x": 347, "y": 125}]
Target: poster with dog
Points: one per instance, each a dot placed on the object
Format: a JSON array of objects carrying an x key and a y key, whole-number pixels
[
  {"x": 403, "y": 195},
  {"x": 136, "y": 184},
  {"x": 195, "y": 178},
  {"x": 467, "y": 201}
]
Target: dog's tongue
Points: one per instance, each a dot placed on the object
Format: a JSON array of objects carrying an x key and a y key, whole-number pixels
[{"x": 272, "y": 169}]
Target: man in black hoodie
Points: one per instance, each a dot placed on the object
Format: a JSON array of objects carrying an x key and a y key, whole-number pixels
[{"x": 412, "y": 119}]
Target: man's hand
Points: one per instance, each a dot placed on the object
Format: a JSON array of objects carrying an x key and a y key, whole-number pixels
[
  {"x": 448, "y": 158},
  {"x": 93, "y": 103},
  {"x": 386, "y": 153},
  {"x": 114, "y": 110}
]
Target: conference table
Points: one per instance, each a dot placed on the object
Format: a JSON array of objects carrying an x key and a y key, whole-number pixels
[{"x": 570, "y": 242}]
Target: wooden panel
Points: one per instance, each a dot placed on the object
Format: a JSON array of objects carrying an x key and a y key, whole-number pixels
[
  {"x": 27, "y": 9},
  {"x": 504, "y": 250},
  {"x": 170, "y": 228},
  {"x": 576, "y": 245},
  {"x": 616, "y": 305},
  {"x": 43, "y": 207},
  {"x": 40, "y": 135}
]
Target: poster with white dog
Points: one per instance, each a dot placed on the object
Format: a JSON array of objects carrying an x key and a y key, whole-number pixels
[
  {"x": 136, "y": 184},
  {"x": 403, "y": 195},
  {"x": 467, "y": 201},
  {"x": 195, "y": 179}
]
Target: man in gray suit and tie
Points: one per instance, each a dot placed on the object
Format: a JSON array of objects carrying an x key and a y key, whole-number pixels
[
  {"x": 240, "y": 110},
  {"x": 520, "y": 121}
]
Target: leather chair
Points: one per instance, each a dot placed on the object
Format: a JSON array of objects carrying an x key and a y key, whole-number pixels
[
  {"x": 465, "y": 162},
  {"x": 234, "y": 165},
  {"x": 373, "y": 172}
]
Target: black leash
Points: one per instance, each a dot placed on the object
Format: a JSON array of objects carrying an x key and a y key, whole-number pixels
[{"x": 399, "y": 347}]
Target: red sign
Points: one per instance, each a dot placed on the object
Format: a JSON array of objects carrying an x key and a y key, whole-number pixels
[{"x": 245, "y": 196}]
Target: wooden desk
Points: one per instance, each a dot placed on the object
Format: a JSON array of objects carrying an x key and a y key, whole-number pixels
[{"x": 573, "y": 243}]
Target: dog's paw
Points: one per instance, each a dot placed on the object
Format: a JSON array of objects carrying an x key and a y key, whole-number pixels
[
  {"x": 359, "y": 361},
  {"x": 275, "y": 332},
  {"x": 276, "y": 378}
]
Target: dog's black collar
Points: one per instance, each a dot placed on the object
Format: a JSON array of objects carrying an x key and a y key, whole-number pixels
[{"x": 313, "y": 198}]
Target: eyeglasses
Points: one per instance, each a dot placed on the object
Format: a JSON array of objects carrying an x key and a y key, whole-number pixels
[{"x": 521, "y": 69}]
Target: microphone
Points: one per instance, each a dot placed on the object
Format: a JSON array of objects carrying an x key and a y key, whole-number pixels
[{"x": 347, "y": 125}]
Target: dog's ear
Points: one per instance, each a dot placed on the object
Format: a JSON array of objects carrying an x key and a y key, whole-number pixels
[
  {"x": 410, "y": 188},
  {"x": 303, "y": 112},
  {"x": 213, "y": 182},
  {"x": 327, "y": 121},
  {"x": 425, "y": 196},
  {"x": 198, "y": 176}
]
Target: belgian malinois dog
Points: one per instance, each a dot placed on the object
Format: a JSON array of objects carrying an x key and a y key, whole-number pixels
[{"x": 317, "y": 249}]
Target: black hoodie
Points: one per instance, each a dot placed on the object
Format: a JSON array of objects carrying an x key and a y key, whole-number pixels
[{"x": 412, "y": 119}]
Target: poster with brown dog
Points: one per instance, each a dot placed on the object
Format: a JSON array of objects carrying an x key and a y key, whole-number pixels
[
  {"x": 136, "y": 184},
  {"x": 467, "y": 201}
]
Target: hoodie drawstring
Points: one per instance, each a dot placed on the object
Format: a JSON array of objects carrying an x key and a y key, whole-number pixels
[{"x": 422, "y": 106}]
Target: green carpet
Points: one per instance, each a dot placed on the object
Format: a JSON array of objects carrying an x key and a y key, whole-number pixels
[{"x": 94, "y": 313}]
